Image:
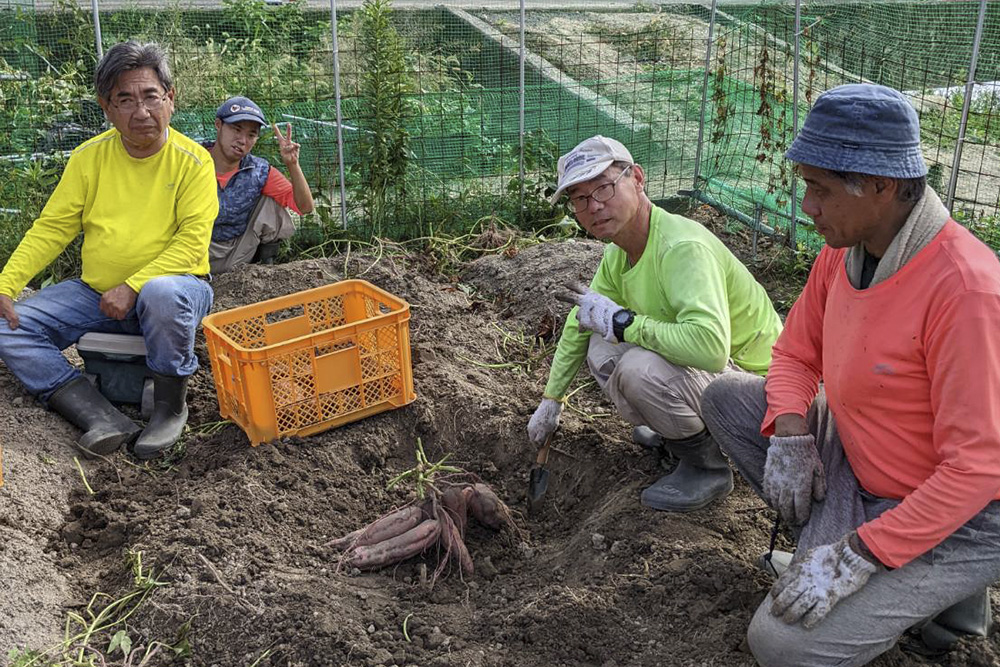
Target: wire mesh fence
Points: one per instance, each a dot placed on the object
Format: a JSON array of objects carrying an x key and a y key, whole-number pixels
[{"x": 419, "y": 119}]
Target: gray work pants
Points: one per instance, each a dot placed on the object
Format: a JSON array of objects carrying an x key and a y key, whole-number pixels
[
  {"x": 869, "y": 622},
  {"x": 649, "y": 390}
]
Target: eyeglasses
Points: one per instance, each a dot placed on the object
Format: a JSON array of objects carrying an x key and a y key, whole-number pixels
[
  {"x": 600, "y": 194},
  {"x": 131, "y": 105}
]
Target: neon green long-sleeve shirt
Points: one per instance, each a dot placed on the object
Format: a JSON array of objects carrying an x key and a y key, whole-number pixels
[
  {"x": 695, "y": 303},
  {"x": 140, "y": 218}
]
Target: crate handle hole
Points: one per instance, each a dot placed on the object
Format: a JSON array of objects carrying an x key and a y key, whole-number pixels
[
  {"x": 323, "y": 350},
  {"x": 285, "y": 314}
]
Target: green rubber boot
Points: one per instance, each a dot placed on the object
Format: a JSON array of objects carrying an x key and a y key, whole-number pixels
[{"x": 702, "y": 476}]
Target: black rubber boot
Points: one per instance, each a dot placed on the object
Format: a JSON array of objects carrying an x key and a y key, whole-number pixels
[
  {"x": 971, "y": 616},
  {"x": 105, "y": 429},
  {"x": 648, "y": 439},
  {"x": 267, "y": 252},
  {"x": 702, "y": 475},
  {"x": 170, "y": 414}
]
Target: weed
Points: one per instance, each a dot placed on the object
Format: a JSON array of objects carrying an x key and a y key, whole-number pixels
[
  {"x": 104, "y": 623},
  {"x": 941, "y": 124},
  {"x": 984, "y": 226},
  {"x": 652, "y": 44},
  {"x": 83, "y": 475}
]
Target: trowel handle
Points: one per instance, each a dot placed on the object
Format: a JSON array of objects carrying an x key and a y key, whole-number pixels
[{"x": 543, "y": 453}]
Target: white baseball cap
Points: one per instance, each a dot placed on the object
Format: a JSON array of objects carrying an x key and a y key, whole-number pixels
[{"x": 588, "y": 160}]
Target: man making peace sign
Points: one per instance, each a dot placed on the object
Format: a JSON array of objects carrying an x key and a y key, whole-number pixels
[{"x": 253, "y": 195}]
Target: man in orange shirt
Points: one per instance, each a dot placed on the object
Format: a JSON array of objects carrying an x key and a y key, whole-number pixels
[
  {"x": 889, "y": 472},
  {"x": 253, "y": 195}
]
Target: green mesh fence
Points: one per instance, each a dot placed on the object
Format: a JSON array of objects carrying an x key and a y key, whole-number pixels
[
  {"x": 921, "y": 48},
  {"x": 430, "y": 98}
]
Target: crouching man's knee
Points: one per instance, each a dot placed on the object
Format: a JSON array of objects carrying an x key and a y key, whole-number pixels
[
  {"x": 729, "y": 389},
  {"x": 844, "y": 642},
  {"x": 775, "y": 643}
]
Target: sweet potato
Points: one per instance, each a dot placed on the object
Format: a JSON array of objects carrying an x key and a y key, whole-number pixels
[
  {"x": 396, "y": 549},
  {"x": 455, "y": 502},
  {"x": 389, "y": 526},
  {"x": 453, "y": 544},
  {"x": 488, "y": 509}
]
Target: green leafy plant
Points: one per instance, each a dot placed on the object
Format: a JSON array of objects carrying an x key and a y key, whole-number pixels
[
  {"x": 940, "y": 124},
  {"x": 104, "y": 623},
  {"x": 540, "y": 157},
  {"x": 383, "y": 144},
  {"x": 985, "y": 226}
]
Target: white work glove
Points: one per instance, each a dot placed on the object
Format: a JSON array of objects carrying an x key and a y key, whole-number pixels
[
  {"x": 545, "y": 421},
  {"x": 793, "y": 477},
  {"x": 810, "y": 587},
  {"x": 595, "y": 313}
]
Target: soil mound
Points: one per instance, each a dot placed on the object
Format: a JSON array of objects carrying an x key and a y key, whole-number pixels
[{"x": 236, "y": 533}]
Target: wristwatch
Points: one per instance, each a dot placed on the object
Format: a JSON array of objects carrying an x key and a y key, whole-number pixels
[{"x": 621, "y": 321}]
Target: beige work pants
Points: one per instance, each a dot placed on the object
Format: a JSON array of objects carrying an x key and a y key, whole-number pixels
[
  {"x": 269, "y": 222},
  {"x": 649, "y": 390}
]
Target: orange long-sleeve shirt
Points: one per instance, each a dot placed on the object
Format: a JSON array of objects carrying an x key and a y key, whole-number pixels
[{"x": 911, "y": 368}]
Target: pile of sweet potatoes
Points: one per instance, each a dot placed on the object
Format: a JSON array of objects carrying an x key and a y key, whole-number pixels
[{"x": 437, "y": 521}]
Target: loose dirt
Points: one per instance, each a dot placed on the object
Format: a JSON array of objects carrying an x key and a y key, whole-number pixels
[{"x": 236, "y": 532}]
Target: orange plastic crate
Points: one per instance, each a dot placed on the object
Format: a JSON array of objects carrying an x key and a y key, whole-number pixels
[{"x": 311, "y": 361}]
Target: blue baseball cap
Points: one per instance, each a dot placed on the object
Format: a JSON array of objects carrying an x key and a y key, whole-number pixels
[
  {"x": 236, "y": 109},
  {"x": 863, "y": 128}
]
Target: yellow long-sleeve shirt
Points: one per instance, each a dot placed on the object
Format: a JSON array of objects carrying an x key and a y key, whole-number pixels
[{"x": 140, "y": 218}]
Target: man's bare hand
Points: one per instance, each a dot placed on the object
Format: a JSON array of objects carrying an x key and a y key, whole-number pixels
[
  {"x": 7, "y": 311},
  {"x": 118, "y": 301},
  {"x": 288, "y": 148}
]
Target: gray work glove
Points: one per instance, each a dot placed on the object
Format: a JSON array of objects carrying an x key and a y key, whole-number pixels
[
  {"x": 811, "y": 586},
  {"x": 545, "y": 421},
  {"x": 595, "y": 313},
  {"x": 793, "y": 477}
]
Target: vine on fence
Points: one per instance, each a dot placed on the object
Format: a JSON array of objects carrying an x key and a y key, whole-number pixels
[
  {"x": 722, "y": 103},
  {"x": 774, "y": 127}
]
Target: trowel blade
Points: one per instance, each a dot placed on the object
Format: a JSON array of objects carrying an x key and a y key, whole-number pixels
[{"x": 538, "y": 484}]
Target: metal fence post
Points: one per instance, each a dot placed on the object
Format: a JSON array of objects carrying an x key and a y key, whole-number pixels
[
  {"x": 520, "y": 169},
  {"x": 96, "y": 10},
  {"x": 336, "y": 94},
  {"x": 793, "y": 205},
  {"x": 969, "y": 85},
  {"x": 704, "y": 98}
]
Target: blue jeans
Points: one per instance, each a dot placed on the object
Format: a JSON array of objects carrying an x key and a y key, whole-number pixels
[
  {"x": 167, "y": 313},
  {"x": 869, "y": 622}
]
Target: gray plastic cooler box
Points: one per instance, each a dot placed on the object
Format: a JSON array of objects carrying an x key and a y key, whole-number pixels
[{"x": 117, "y": 364}]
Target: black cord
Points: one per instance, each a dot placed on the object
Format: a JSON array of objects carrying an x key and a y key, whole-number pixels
[{"x": 770, "y": 547}]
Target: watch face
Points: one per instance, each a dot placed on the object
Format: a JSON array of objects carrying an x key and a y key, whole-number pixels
[{"x": 622, "y": 317}]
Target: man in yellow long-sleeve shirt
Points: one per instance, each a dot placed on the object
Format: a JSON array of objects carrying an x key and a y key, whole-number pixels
[
  {"x": 669, "y": 309},
  {"x": 143, "y": 195}
]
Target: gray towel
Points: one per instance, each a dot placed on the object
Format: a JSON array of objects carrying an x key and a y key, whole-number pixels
[{"x": 924, "y": 222}]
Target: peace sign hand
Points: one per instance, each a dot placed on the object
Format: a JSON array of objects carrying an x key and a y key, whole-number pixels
[{"x": 289, "y": 149}]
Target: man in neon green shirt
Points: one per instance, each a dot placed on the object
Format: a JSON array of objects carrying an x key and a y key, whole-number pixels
[
  {"x": 671, "y": 308},
  {"x": 143, "y": 195}
]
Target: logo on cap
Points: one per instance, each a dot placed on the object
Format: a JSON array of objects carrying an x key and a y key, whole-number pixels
[
  {"x": 234, "y": 108},
  {"x": 580, "y": 158}
]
